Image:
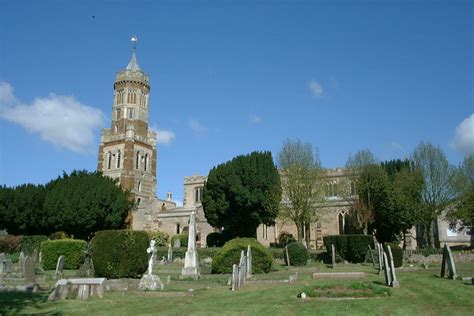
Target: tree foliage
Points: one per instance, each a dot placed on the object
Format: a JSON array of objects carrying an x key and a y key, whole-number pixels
[
  {"x": 462, "y": 214},
  {"x": 303, "y": 184},
  {"x": 241, "y": 194},
  {"x": 78, "y": 204},
  {"x": 437, "y": 191}
]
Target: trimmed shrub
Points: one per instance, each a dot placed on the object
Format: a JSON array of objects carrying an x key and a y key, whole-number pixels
[
  {"x": 397, "y": 253},
  {"x": 72, "y": 249},
  {"x": 214, "y": 240},
  {"x": 120, "y": 253},
  {"x": 10, "y": 243},
  {"x": 350, "y": 247},
  {"x": 58, "y": 235},
  {"x": 298, "y": 254},
  {"x": 285, "y": 239},
  {"x": 30, "y": 243},
  {"x": 161, "y": 238},
  {"x": 229, "y": 254},
  {"x": 183, "y": 238}
]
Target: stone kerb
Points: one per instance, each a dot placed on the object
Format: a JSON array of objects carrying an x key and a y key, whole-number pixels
[{"x": 338, "y": 275}]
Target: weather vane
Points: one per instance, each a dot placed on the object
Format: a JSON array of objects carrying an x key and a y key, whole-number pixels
[{"x": 134, "y": 41}]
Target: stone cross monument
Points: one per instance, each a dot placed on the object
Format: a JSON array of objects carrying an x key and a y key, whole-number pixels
[
  {"x": 191, "y": 260},
  {"x": 151, "y": 251},
  {"x": 150, "y": 281}
]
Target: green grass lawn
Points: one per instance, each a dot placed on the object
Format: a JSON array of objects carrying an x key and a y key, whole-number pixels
[{"x": 421, "y": 292}]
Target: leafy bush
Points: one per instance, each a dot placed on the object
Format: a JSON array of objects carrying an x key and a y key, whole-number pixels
[
  {"x": 214, "y": 239},
  {"x": 298, "y": 254},
  {"x": 72, "y": 249},
  {"x": 229, "y": 254},
  {"x": 10, "y": 243},
  {"x": 161, "y": 238},
  {"x": 58, "y": 235},
  {"x": 183, "y": 238},
  {"x": 350, "y": 247},
  {"x": 397, "y": 253},
  {"x": 120, "y": 253},
  {"x": 30, "y": 243},
  {"x": 285, "y": 239}
]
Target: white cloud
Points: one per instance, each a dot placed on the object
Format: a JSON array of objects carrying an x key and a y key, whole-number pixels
[
  {"x": 196, "y": 126},
  {"x": 316, "y": 88},
  {"x": 255, "y": 119},
  {"x": 163, "y": 136},
  {"x": 464, "y": 138},
  {"x": 60, "y": 120}
]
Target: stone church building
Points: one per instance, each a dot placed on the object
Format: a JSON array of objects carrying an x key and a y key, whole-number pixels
[{"x": 128, "y": 152}]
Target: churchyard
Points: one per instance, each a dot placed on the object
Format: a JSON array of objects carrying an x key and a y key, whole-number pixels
[{"x": 421, "y": 291}]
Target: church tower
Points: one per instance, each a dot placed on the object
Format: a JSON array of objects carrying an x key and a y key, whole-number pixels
[{"x": 127, "y": 150}]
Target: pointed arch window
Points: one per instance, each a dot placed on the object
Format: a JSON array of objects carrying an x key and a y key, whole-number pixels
[
  {"x": 130, "y": 113},
  {"x": 119, "y": 156},
  {"x": 139, "y": 186},
  {"x": 137, "y": 160},
  {"x": 145, "y": 162},
  {"x": 109, "y": 160}
]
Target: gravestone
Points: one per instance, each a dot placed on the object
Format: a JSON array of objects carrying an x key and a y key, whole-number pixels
[
  {"x": 371, "y": 255},
  {"x": 380, "y": 256},
  {"x": 333, "y": 252},
  {"x": 2, "y": 257},
  {"x": 191, "y": 260},
  {"x": 40, "y": 257},
  {"x": 150, "y": 281},
  {"x": 60, "y": 265},
  {"x": 21, "y": 259},
  {"x": 235, "y": 277},
  {"x": 177, "y": 243},
  {"x": 170, "y": 254},
  {"x": 249, "y": 261},
  {"x": 448, "y": 263},
  {"x": 287, "y": 257},
  {"x": 242, "y": 268},
  {"x": 386, "y": 267},
  {"x": 81, "y": 288},
  {"x": 394, "y": 282},
  {"x": 29, "y": 270},
  {"x": 5, "y": 266},
  {"x": 35, "y": 255}
]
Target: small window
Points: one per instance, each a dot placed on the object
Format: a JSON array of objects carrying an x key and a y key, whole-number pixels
[
  {"x": 130, "y": 114},
  {"x": 118, "y": 114},
  {"x": 177, "y": 229},
  {"x": 145, "y": 162},
  {"x": 137, "y": 160},
  {"x": 139, "y": 186},
  {"x": 109, "y": 160}
]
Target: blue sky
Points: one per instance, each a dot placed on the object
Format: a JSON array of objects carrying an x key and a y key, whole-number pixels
[{"x": 231, "y": 77}]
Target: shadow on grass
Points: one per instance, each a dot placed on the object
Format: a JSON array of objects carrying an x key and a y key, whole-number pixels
[{"x": 13, "y": 303}]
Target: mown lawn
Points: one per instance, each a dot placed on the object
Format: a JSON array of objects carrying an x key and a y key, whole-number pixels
[{"x": 421, "y": 292}]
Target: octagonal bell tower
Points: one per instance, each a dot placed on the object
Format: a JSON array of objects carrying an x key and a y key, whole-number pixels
[{"x": 127, "y": 150}]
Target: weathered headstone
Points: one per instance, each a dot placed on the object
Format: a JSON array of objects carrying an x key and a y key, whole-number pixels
[
  {"x": 177, "y": 243},
  {"x": 2, "y": 257},
  {"x": 371, "y": 255},
  {"x": 170, "y": 254},
  {"x": 191, "y": 260},
  {"x": 29, "y": 270},
  {"x": 150, "y": 281},
  {"x": 60, "y": 265},
  {"x": 21, "y": 259},
  {"x": 81, "y": 288},
  {"x": 242, "y": 268},
  {"x": 40, "y": 257},
  {"x": 249, "y": 261},
  {"x": 380, "y": 256},
  {"x": 448, "y": 262},
  {"x": 2, "y": 260},
  {"x": 287, "y": 257},
  {"x": 235, "y": 277},
  {"x": 394, "y": 282},
  {"x": 5, "y": 266},
  {"x": 35, "y": 255},
  {"x": 387, "y": 273},
  {"x": 333, "y": 253}
]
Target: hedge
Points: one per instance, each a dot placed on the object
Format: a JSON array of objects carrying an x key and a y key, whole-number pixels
[
  {"x": 298, "y": 254},
  {"x": 161, "y": 238},
  {"x": 10, "y": 243},
  {"x": 229, "y": 254},
  {"x": 30, "y": 243},
  {"x": 120, "y": 253},
  {"x": 285, "y": 239},
  {"x": 349, "y": 247},
  {"x": 72, "y": 249},
  {"x": 183, "y": 239}
]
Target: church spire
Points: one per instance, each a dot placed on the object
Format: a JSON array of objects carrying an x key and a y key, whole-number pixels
[{"x": 133, "y": 63}]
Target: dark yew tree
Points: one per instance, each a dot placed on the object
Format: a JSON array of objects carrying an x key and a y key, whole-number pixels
[{"x": 241, "y": 194}]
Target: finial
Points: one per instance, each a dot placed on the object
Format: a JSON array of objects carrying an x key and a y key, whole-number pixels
[{"x": 134, "y": 41}]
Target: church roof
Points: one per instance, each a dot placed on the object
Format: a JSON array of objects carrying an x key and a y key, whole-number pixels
[{"x": 133, "y": 63}]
